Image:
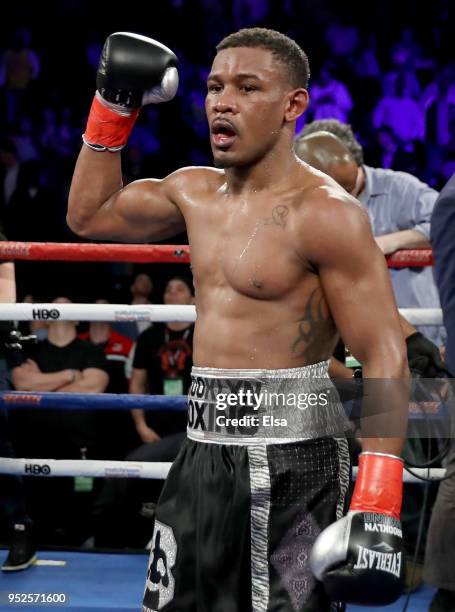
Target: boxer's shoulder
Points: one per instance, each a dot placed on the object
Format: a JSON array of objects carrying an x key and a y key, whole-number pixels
[
  {"x": 321, "y": 199},
  {"x": 323, "y": 212},
  {"x": 195, "y": 181},
  {"x": 197, "y": 177}
]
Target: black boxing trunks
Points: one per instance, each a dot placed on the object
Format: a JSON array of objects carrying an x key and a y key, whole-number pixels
[{"x": 245, "y": 499}]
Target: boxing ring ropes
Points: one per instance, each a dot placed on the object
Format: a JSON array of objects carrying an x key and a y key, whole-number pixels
[{"x": 133, "y": 253}]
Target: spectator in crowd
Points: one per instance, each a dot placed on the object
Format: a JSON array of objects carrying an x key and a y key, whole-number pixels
[
  {"x": 401, "y": 113},
  {"x": 438, "y": 101},
  {"x": 365, "y": 61},
  {"x": 67, "y": 364},
  {"x": 439, "y": 567},
  {"x": 21, "y": 553},
  {"x": 117, "y": 349},
  {"x": 403, "y": 70},
  {"x": 117, "y": 424},
  {"x": 329, "y": 97},
  {"x": 163, "y": 358},
  {"x": 141, "y": 293},
  {"x": 141, "y": 289},
  {"x": 399, "y": 207},
  {"x": 20, "y": 65}
]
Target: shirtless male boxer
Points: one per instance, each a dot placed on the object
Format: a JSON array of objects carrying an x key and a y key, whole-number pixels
[{"x": 282, "y": 257}]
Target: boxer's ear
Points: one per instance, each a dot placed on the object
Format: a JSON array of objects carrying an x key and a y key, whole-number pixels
[{"x": 296, "y": 104}]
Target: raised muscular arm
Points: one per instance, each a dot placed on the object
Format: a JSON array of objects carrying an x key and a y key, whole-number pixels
[
  {"x": 133, "y": 71},
  {"x": 99, "y": 207}
]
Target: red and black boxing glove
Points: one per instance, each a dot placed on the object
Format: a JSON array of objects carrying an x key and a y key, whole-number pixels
[
  {"x": 360, "y": 559},
  {"x": 133, "y": 71}
]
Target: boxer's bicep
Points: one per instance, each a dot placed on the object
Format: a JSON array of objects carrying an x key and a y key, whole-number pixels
[
  {"x": 140, "y": 212},
  {"x": 100, "y": 207},
  {"x": 147, "y": 208}
]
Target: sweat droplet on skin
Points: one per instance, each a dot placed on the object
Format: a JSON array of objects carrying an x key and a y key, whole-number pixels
[{"x": 255, "y": 231}]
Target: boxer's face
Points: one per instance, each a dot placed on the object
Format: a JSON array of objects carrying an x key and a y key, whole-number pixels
[{"x": 247, "y": 102}]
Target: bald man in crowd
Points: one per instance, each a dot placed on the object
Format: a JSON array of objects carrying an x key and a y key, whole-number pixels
[{"x": 398, "y": 204}]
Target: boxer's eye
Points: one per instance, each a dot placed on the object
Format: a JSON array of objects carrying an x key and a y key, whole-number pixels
[{"x": 214, "y": 88}]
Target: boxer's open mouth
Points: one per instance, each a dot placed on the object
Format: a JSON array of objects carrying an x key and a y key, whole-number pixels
[{"x": 223, "y": 133}]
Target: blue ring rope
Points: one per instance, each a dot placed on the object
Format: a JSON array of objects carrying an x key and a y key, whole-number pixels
[{"x": 91, "y": 401}]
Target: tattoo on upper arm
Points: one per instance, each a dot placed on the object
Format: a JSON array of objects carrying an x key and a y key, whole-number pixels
[
  {"x": 279, "y": 214},
  {"x": 315, "y": 330}
]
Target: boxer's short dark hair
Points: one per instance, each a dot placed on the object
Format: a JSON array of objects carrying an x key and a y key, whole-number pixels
[
  {"x": 343, "y": 131},
  {"x": 283, "y": 48}
]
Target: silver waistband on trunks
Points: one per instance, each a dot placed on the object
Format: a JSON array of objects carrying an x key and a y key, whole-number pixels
[{"x": 230, "y": 406}]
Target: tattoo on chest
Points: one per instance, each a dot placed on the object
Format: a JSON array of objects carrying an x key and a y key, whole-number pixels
[
  {"x": 279, "y": 214},
  {"x": 315, "y": 328}
]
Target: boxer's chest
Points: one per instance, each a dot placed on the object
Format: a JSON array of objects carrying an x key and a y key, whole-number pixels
[{"x": 251, "y": 252}]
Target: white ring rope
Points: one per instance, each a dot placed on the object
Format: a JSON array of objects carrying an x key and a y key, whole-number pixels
[
  {"x": 96, "y": 312},
  {"x": 84, "y": 467},
  {"x": 422, "y": 316},
  {"x": 149, "y": 312},
  {"x": 132, "y": 469}
]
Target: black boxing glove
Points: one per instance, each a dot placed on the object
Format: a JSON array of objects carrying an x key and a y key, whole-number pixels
[
  {"x": 424, "y": 357},
  {"x": 360, "y": 558},
  {"x": 133, "y": 71}
]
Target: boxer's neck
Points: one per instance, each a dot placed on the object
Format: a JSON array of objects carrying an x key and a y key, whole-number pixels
[{"x": 273, "y": 169}]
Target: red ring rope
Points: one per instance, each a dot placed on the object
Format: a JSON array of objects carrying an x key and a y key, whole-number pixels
[
  {"x": 134, "y": 253},
  {"x": 148, "y": 253},
  {"x": 410, "y": 258}
]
